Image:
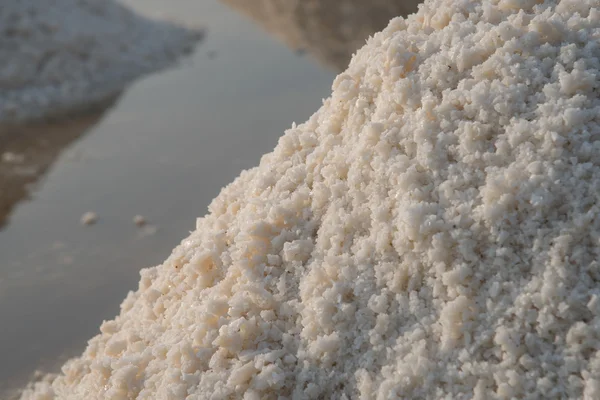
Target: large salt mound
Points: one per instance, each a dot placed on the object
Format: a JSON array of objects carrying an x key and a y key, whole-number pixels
[
  {"x": 63, "y": 55},
  {"x": 431, "y": 232}
]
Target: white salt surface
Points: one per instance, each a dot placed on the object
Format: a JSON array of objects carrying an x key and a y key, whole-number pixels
[
  {"x": 433, "y": 231},
  {"x": 64, "y": 55}
]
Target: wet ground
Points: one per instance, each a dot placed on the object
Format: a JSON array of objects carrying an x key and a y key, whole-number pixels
[{"x": 163, "y": 149}]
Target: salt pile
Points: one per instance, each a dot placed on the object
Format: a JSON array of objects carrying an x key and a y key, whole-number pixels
[
  {"x": 431, "y": 232},
  {"x": 66, "y": 55}
]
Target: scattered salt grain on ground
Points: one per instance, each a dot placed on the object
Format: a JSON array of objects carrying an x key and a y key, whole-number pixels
[
  {"x": 139, "y": 220},
  {"x": 89, "y": 218},
  {"x": 12, "y": 158},
  {"x": 66, "y": 55},
  {"x": 433, "y": 231}
]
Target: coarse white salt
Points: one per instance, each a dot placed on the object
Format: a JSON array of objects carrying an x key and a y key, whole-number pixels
[
  {"x": 139, "y": 220},
  {"x": 68, "y": 55},
  {"x": 430, "y": 232},
  {"x": 89, "y": 218}
]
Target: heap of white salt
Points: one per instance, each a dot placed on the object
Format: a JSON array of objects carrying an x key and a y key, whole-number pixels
[
  {"x": 63, "y": 55},
  {"x": 433, "y": 231}
]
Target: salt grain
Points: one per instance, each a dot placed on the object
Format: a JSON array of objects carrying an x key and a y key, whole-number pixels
[
  {"x": 12, "y": 158},
  {"x": 139, "y": 220},
  {"x": 89, "y": 218}
]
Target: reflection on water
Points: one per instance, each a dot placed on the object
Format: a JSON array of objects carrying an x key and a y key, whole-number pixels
[
  {"x": 330, "y": 30},
  {"x": 27, "y": 154},
  {"x": 28, "y": 151}
]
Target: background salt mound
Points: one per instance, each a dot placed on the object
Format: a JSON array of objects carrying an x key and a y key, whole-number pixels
[
  {"x": 63, "y": 55},
  {"x": 431, "y": 232}
]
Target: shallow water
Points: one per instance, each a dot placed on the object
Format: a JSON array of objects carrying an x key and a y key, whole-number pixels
[{"x": 162, "y": 150}]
